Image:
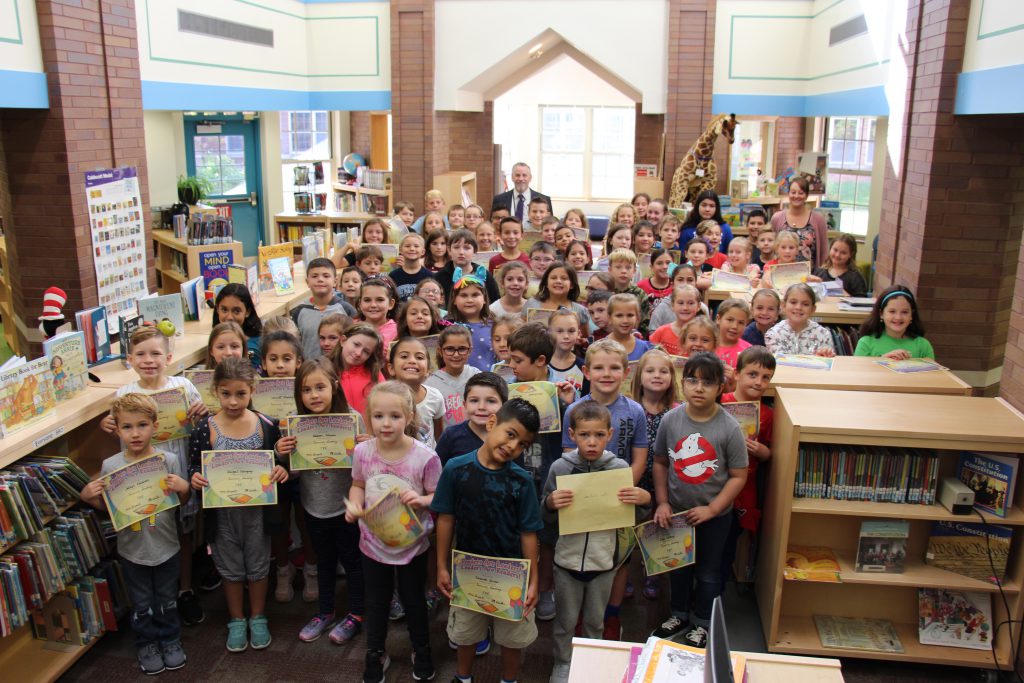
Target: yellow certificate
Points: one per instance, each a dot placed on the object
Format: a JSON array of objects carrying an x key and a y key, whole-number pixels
[
  {"x": 396, "y": 524},
  {"x": 625, "y": 542},
  {"x": 748, "y": 414},
  {"x": 729, "y": 282},
  {"x": 544, "y": 397},
  {"x": 595, "y": 503},
  {"x": 171, "y": 414},
  {"x": 678, "y": 362},
  {"x": 274, "y": 397},
  {"x": 782, "y": 275},
  {"x": 643, "y": 265},
  {"x": 137, "y": 491},
  {"x": 238, "y": 479},
  {"x": 664, "y": 550},
  {"x": 323, "y": 441},
  {"x": 804, "y": 360},
  {"x": 490, "y": 585},
  {"x": 202, "y": 380}
]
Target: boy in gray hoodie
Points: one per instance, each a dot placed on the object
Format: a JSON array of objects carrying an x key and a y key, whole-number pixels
[{"x": 585, "y": 563}]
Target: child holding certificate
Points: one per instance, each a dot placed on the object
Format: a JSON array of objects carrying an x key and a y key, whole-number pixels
[
  {"x": 323, "y": 492},
  {"x": 700, "y": 465},
  {"x": 149, "y": 356},
  {"x": 584, "y": 563},
  {"x": 149, "y": 548},
  {"x": 239, "y": 537},
  {"x": 394, "y": 458},
  {"x": 417, "y": 318},
  {"x": 797, "y": 333},
  {"x": 474, "y": 496}
]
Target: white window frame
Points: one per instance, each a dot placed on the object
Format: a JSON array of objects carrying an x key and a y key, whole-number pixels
[
  {"x": 834, "y": 170},
  {"x": 588, "y": 153}
]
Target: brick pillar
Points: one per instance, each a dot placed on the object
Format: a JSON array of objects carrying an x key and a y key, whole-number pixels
[
  {"x": 1011, "y": 386},
  {"x": 412, "y": 98},
  {"x": 691, "y": 47},
  {"x": 948, "y": 230},
  {"x": 90, "y": 56},
  {"x": 789, "y": 141},
  {"x": 359, "y": 135},
  {"x": 464, "y": 141},
  {"x": 647, "y": 138}
]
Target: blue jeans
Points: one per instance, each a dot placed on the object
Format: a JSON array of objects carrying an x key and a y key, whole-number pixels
[
  {"x": 153, "y": 592},
  {"x": 711, "y": 539},
  {"x": 335, "y": 539}
]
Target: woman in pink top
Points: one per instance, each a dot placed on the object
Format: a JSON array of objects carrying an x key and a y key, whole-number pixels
[{"x": 809, "y": 227}]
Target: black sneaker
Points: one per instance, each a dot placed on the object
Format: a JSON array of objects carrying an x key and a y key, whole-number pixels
[
  {"x": 422, "y": 664},
  {"x": 189, "y": 609},
  {"x": 211, "y": 581},
  {"x": 670, "y": 628},
  {"x": 696, "y": 637},
  {"x": 376, "y": 663}
]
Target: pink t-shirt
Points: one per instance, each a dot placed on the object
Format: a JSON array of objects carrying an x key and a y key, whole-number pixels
[
  {"x": 419, "y": 471},
  {"x": 731, "y": 354},
  {"x": 668, "y": 340},
  {"x": 388, "y": 333},
  {"x": 356, "y": 384}
]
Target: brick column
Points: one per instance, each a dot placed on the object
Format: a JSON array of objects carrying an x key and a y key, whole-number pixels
[
  {"x": 947, "y": 228},
  {"x": 1011, "y": 385},
  {"x": 90, "y": 56},
  {"x": 789, "y": 141},
  {"x": 412, "y": 98},
  {"x": 647, "y": 138},
  {"x": 464, "y": 141},
  {"x": 359, "y": 135},
  {"x": 691, "y": 47}
]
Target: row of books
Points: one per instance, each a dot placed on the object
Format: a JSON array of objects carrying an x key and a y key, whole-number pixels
[
  {"x": 209, "y": 229},
  {"x": 373, "y": 179},
  {"x": 347, "y": 202},
  {"x": 35, "y": 491},
  {"x": 295, "y": 233},
  {"x": 867, "y": 473}
]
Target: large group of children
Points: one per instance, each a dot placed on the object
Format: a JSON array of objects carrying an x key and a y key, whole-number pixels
[{"x": 468, "y": 459}]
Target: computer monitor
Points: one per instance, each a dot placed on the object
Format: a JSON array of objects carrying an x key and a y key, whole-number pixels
[{"x": 717, "y": 660}]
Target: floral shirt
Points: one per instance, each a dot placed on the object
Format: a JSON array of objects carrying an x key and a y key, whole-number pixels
[
  {"x": 782, "y": 339},
  {"x": 647, "y": 478}
]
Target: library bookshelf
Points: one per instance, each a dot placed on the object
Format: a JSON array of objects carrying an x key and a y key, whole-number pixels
[
  {"x": 945, "y": 424},
  {"x": 458, "y": 187},
  {"x": 359, "y": 199},
  {"x": 177, "y": 261}
]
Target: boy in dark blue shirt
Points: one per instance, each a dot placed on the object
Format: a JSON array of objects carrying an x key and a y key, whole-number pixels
[
  {"x": 487, "y": 505},
  {"x": 485, "y": 392}
]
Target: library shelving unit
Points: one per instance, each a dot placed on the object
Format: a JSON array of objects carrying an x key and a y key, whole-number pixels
[
  {"x": 373, "y": 195},
  {"x": 177, "y": 261},
  {"x": 292, "y": 227},
  {"x": 6, "y": 302},
  {"x": 946, "y": 425},
  {"x": 458, "y": 187}
]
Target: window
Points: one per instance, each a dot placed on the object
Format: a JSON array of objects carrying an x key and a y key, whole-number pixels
[
  {"x": 587, "y": 152},
  {"x": 850, "y": 144},
  {"x": 220, "y": 160},
  {"x": 305, "y": 138}
]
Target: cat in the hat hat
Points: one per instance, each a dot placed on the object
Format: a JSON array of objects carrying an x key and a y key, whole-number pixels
[{"x": 52, "y": 318}]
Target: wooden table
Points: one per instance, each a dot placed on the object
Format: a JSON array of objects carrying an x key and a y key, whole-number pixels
[
  {"x": 860, "y": 373},
  {"x": 604, "y": 661},
  {"x": 827, "y": 312}
]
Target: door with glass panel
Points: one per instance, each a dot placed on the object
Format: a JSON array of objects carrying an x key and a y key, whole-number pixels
[{"x": 225, "y": 152}]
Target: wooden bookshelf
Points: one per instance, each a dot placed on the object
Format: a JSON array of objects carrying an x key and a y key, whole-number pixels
[
  {"x": 352, "y": 198},
  {"x": 944, "y": 424},
  {"x": 23, "y": 658},
  {"x": 6, "y": 299},
  {"x": 861, "y": 373},
  {"x": 456, "y": 186},
  {"x": 171, "y": 252},
  {"x": 292, "y": 227}
]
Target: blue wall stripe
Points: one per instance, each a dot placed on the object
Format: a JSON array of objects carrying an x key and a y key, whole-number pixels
[
  {"x": 991, "y": 91},
  {"x": 178, "y": 96},
  {"x": 861, "y": 102},
  {"x": 23, "y": 90}
]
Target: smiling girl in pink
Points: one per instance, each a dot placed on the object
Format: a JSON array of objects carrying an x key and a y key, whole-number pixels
[
  {"x": 359, "y": 359},
  {"x": 733, "y": 315}
]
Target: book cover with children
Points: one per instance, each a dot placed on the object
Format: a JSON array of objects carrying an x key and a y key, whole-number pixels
[
  {"x": 954, "y": 618},
  {"x": 66, "y": 353},
  {"x": 26, "y": 395},
  {"x": 992, "y": 478}
]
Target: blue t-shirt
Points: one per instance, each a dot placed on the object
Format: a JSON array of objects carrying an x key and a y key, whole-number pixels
[
  {"x": 406, "y": 283},
  {"x": 640, "y": 348},
  {"x": 689, "y": 233},
  {"x": 752, "y": 335},
  {"x": 492, "y": 508},
  {"x": 629, "y": 427},
  {"x": 457, "y": 440},
  {"x": 482, "y": 356}
]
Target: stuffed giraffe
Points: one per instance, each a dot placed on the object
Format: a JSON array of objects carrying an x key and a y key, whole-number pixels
[{"x": 697, "y": 171}]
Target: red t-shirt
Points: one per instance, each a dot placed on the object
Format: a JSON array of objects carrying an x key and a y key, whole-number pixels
[
  {"x": 746, "y": 502},
  {"x": 498, "y": 260},
  {"x": 356, "y": 385},
  {"x": 668, "y": 340},
  {"x": 717, "y": 259},
  {"x": 731, "y": 354}
]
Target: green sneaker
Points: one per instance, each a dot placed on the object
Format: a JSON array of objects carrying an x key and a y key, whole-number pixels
[
  {"x": 259, "y": 632},
  {"x": 237, "y": 640}
]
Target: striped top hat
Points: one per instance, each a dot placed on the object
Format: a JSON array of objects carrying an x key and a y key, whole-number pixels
[{"x": 54, "y": 299}]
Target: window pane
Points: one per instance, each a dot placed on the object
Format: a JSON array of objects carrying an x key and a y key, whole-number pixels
[
  {"x": 863, "y": 190},
  {"x": 564, "y": 129},
  {"x": 305, "y": 135},
  {"x": 220, "y": 160},
  {"x": 563, "y": 174},
  {"x": 611, "y": 176}
]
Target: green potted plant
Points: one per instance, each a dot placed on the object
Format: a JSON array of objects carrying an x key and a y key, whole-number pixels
[{"x": 192, "y": 190}]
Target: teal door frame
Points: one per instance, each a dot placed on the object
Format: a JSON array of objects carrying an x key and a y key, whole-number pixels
[{"x": 247, "y": 218}]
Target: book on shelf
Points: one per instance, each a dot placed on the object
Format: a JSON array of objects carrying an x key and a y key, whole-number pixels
[
  {"x": 978, "y": 551},
  {"x": 214, "y": 266},
  {"x": 265, "y": 254},
  {"x": 312, "y": 248},
  {"x": 992, "y": 477},
  {"x": 125, "y": 326},
  {"x": 874, "y": 474},
  {"x": 68, "y": 365},
  {"x": 811, "y": 563},
  {"x": 882, "y": 547},
  {"x": 194, "y": 297},
  {"x": 281, "y": 275},
  {"x": 830, "y": 211},
  {"x": 26, "y": 395},
  {"x": 373, "y": 179},
  {"x": 252, "y": 283},
  {"x": 951, "y": 618},
  {"x": 851, "y": 633},
  {"x": 93, "y": 322},
  {"x": 206, "y": 228},
  {"x": 155, "y": 309}
]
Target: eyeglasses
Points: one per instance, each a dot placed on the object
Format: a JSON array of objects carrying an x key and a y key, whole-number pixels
[
  {"x": 697, "y": 381},
  {"x": 542, "y": 259},
  {"x": 456, "y": 350}
]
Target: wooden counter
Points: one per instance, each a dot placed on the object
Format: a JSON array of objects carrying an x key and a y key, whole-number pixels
[
  {"x": 860, "y": 373},
  {"x": 825, "y": 313}
]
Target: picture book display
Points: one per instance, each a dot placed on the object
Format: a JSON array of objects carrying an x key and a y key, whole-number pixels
[
  {"x": 194, "y": 296},
  {"x": 748, "y": 414},
  {"x": 992, "y": 477},
  {"x": 138, "y": 491},
  {"x": 850, "y": 633},
  {"x": 238, "y": 479},
  {"x": 729, "y": 282},
  {"x": 396, "y": 524},
  {"x": 964, "y": 548},
  {"x": 274, "y": 397},
  {"x": 68, "y": 365},
  {"x": 544, "y": 397},
  {"x": 281, "y": 275},
  {"x": 782, "y": 275},
  {"x": 267, "y": 253},
  {"x": 664, "y": 550},
  {"x": 323, "y": 441},
  {"x": 910, "y": 365},
  {"x": 27, "y": 395},
  {"x": 214, "y": 267},
  {"x": 493, "y": 586},
  {"x": 666, "y": 661},
  {"x": 811, "y": 563},
  {"x": 118, "y": 236},
  {"x": 803, "y": 360},
  {"x": 882, "y": 546},
  {"x": 156, "y": 309},
  {"x": 955, "y": 618},
  {"x": 171, "y": 414},
  {"x": 92, "y": 322},
  {"x": 595, "y": 504},
  {"x": 868, "y": 473},
  {"x": 202, "y": 380}
]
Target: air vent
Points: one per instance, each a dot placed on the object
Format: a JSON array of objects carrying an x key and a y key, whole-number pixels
[
  {"x": 848, "y": 29},
  {"x": 190, "y": 22}
]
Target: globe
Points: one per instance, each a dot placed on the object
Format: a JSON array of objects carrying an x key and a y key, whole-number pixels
[{"x": 351, "y": 162}]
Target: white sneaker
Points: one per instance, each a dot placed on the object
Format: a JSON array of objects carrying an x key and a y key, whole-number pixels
[
  {"x": 284, "y": 592},
  {"x": 310, "y": 590}
]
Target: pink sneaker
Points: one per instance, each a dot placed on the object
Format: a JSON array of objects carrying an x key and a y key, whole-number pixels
[{"x": 316, "y": 627}]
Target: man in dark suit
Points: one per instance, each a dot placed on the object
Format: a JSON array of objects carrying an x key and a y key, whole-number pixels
[{"x": 517, "y": 200}]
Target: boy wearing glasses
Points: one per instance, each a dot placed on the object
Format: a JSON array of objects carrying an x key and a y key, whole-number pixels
[
  {"x": 453, "y": 349},
  {"x": 542, "y": 255}
]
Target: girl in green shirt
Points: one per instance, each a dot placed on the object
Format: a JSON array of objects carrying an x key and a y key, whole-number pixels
[{"x": 894, "y": 329}]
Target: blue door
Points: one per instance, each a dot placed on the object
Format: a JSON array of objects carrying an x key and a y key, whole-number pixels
[{"x": 225, "y": 151}]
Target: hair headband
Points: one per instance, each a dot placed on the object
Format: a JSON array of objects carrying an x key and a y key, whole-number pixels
[{"x": 898, "y": 292}]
